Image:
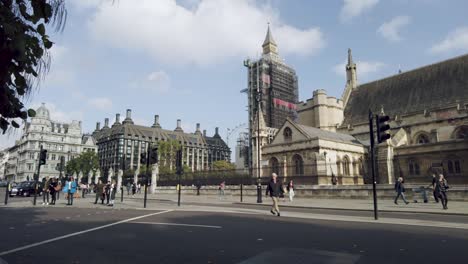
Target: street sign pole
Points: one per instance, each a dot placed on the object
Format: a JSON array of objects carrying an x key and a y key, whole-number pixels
[{"x": 37, "y": 177}]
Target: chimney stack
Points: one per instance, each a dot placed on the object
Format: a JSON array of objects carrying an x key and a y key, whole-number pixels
[
  {"x": 216, "y": 130},
  {"x": 156, "y": 122},
  {"x": 179, "y": 122},
  {"x": 117, "y": 118},
  {"x": 129, "y": 113},
  {"x": 204, "y": 132},
  {"x": 98, "y": 126},
  {"x": 179, "y": 126},
  {"x": 198, "y": 127},
  {"x": 106, "y": 122}
]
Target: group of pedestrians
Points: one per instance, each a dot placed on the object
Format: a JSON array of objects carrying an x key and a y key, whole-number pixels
[
  {"x": 439, "y": 188},
  {"x": 50, "y": 189},
  {"x": 133, "y": 187},
  {"x": 105, "y": 191}
]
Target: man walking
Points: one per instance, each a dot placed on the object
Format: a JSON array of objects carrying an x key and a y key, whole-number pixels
[
  {"x": 274, "y": 189},
  {"x": 400, "y": 189},
  {"x": 129, "y": 186},
  {"x": 434, "y": 183},
  {"x": 441, "y": 189},
  {"x": 45, "y": 190}
]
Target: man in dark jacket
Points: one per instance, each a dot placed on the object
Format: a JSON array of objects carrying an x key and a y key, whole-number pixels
[
  {"x": 275, "y": 188},
  {"x": 99, "y": 192},
  {"x": 400, "y": 189},
  {"x": 434, "y": 192}
]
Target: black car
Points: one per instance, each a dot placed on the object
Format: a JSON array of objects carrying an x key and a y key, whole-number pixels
[{"x": 26, "y": 189}]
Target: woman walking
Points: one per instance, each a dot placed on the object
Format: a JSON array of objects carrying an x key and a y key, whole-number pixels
[
  {"x": 112, "y": 191},
  {"x": 291, "y": 190},
  {"x": 52, "y": 190},
  {"x": 441, "y": 190}
]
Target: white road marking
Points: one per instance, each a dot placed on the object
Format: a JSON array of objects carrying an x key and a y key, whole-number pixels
[
  {"x": 174, "y": 224},
  {"x": 78, "y": 233}
]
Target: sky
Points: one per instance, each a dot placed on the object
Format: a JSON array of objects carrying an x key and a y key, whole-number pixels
[{"x": 184, "y": 59}]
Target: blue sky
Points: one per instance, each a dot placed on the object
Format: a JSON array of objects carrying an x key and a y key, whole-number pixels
[{"x": 183, "y": 59}]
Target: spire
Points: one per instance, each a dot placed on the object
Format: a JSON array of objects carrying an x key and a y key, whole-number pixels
[
  {"x": 269, "y": 37},
  {"x": 350, "y": 57}
]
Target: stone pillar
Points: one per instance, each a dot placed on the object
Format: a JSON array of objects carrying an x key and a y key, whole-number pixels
[
  {"x": 385, "y": 170},
  {"x": 110, "y": 175},
  {"x": 193, "y": 159},
  {"x": 135, "y": 177},
  {"x": 97, "y": 176},
  {"x": 285, "y": 166},
  {"x": 119, "y": 179},
  {"x": 203, "y": 159},
  {"x": 154, "y": 178}
]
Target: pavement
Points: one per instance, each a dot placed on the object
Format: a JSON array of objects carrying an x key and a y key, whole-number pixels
[{"x": 205, "y": 229}]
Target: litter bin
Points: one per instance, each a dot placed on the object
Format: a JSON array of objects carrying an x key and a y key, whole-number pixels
[{"x": 421, "y": 190}]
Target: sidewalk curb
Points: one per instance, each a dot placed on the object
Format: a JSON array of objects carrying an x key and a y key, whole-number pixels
[{"x": 350, "y": 209}]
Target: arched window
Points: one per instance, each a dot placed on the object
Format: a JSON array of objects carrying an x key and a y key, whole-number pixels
[
  {"x": 298, "y": 164},
  {"x": 287, "y": 133},
  {"x": 453, "y": 166},
  {"x": 274, "y": 165},
  {"x": 461, "y": 132},
  {"x": 414, "y": 168},
  {"x": 422, "y": 139},
  {"x": 346, "y": 166}
]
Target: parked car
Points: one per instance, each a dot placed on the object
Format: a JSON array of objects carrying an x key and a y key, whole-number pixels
[{"x": 25, "y": 189}]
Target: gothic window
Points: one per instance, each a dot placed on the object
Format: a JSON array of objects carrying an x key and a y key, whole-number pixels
[
  {"x": 298, "y": 164},
  {"x": 346, "y": 166},
  {"x": 274, "y": 165},
  {"x": 414, "y": 168},
  {"x": 287, "y": 133},
  {"x": 453, "y": 166},
  {"x": 422, "y": 139},
  {"x": 461, "y": 132}
]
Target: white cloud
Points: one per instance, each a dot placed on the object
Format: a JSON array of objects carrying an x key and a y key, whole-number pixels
[
  {"x": 391, "y": 29},
  {"x": 86, "y": 4},
  {"x": 354, "y": 8},
  {"x": 363, "y": 68},
  {"x": 157, "y": 81},
  {"x": 101, "y": 103},
  {"x": 211, "y": 32},
  {"x": 456, "y": 40}
]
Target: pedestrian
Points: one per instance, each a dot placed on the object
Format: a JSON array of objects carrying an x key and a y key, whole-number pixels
[
  {"x": 52, "y": 190},
  {"x": 112, "y": 191},
  {"x": 58, "y": 188},
  {"x": 400, "y": 189},
  {"x": 221, "y": 187},
  {"x": 291, "y": 190},
  {"x": 441, "y": 189},
  {"x": 434, "y": 183},
  {"x": 133, "y": 189},
  {"x": 129, "y": 186},
  {"x": 83, "y": 190},
  {"x": 107, "y": 192},
  {"x": 139, "y": 188},
  {"x": 99, "y": 188},
  {"x": 274, "y": 189},
  {"x": 45, "y": 190},
  {"x": 198, "y": 187},
  {"x": 70, "y": 189}
]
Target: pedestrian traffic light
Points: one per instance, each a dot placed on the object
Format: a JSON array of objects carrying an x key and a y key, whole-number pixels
[
  {"x": 143, "y": 158},
  {"x": 382, "y": 128},
  {"x": 153, "y": 155},
  {"x": 43, "y": 157},
  {"x": 179, "y": 161}
]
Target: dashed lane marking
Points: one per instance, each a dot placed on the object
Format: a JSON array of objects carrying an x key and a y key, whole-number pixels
[
  {"x": 78, "y": 233},
  {"x": 174, "y": 224}
]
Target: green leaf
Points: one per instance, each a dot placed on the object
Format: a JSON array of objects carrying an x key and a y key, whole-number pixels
[
  {"x": 14, "y": 124},
  {"x": 47, "y": 44},
  {"x": 23, "y": 115},
  {"x": 41, "y": 29},
  {"x": 31, "y": 112},
  {"x": 20, "y": 82}
]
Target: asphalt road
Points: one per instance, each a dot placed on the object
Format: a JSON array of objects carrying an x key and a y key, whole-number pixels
[{"x": 214, "y": 237}]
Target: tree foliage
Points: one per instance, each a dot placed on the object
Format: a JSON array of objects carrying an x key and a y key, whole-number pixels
[
  {"x": 86, "y": 162},
  {"x": 24, "y": 56},
  {"x": 223, "y": 165},
  {"x": 168, "y": 152}
]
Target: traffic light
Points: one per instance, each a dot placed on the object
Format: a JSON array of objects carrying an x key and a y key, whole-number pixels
[
  {"x": 143, "y": 158},
  {"x": 179, "y": 161},
  {"x": 382, "y": 128},
  {"x": 153, "y": 155},
  {"x": 43, "y": 157}
]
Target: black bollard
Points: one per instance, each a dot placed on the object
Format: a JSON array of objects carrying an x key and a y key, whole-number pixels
[
  {"x": 146, "y": 191},
  {"x": 7, "y": 193},
  {"x": 121, "y": 194},
  {"x": 242, "y": 185}
]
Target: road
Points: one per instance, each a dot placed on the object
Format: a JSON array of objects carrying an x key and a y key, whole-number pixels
[{"x": 190, "y": 235}]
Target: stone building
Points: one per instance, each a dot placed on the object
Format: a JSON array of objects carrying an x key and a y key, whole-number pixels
[
  {"x": 428, "y": 107},
  {"x": 125, "y": 141},
  {"x": 59, "y": 139}
]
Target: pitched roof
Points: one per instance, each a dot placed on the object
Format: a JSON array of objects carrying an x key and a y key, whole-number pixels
[
  {"x": 429, "y": 87},
  {"x": 313, "y": 132}
]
